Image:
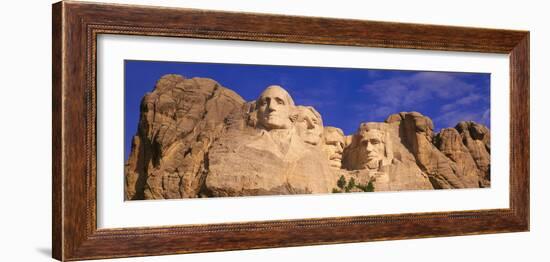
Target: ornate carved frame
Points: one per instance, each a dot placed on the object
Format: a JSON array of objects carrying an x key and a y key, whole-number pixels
[{"x": 76, "y": 26}]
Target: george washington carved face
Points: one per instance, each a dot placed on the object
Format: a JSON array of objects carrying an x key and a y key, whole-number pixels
[{"x": 274, "y": 108}]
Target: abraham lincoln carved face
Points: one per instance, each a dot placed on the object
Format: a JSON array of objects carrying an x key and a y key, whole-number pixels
[{"x": 373, "y": 147}]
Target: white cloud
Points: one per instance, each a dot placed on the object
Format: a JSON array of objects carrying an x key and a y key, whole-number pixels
[
  {"x": 486, "y": 118},
  {"x": 451, "y": 118},
  {"x": 467, "y": 100},
  {"x": 418, "y": 88},
  {"x": 418, "y": 91}
]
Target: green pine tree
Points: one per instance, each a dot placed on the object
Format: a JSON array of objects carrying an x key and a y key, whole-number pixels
[
  {"x": 341, "y": 182},
  {"x": 370, "y": 187},
  {"x": 351, "y": 184}
]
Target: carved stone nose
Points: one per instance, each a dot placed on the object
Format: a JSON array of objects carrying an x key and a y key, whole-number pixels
[{"x": 310, "y": 124}]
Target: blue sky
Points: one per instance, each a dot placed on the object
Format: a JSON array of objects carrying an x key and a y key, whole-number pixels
[{"x": 345, "y": 97}]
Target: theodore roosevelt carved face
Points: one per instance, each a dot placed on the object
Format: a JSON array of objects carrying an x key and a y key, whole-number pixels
[
  {"x": 334, "y": 145},
  {"x": 274, "y": 108}
]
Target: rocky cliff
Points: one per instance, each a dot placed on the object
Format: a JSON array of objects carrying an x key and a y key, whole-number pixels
[
  {"x": 179, "y": 121},
  {"x": 196, "y": 138}
]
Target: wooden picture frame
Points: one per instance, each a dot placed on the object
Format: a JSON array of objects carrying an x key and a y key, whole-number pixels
[{"x": 76, "y": 26}]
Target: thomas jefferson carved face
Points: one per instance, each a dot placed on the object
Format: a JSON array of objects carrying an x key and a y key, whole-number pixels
[
  {"x": 373, "y": 148},
  {"x": 309, "y": 124},
  {"x": 274, "y": 106},
  {"x": 334, "y": 145}
]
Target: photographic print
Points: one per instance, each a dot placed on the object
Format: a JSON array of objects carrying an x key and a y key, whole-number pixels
[{"x": 199, "y": 130}]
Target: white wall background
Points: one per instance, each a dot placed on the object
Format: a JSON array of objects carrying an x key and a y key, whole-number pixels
[{"x": 25, "y": 131}]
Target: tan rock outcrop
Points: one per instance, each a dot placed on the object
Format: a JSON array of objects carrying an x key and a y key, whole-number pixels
[
  {"x": 448, "y": 157},
  {"x": 449, "y": 142},
  {"x": 279, "y": 152},
  {"x": 477, "y": 138},
  {"x": 252, "y": 164},
  {"x": 179, "y": 120},
  {"x": 416, "y": 133},
  {"x": 379, "y": 156}
]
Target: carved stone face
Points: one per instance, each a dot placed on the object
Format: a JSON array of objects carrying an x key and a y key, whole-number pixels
[
  {"x": 334, "y": 146},
  {"x": 309, "y": 125},
  {"x": 373, "y": 148},
  {"x": 274, "y": 106}
]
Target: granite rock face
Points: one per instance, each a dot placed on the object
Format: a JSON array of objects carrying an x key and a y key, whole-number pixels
[
  {"x": 445, "y": 157},
  {"x": 278, "y": 151},
  {"x": 477, "y": 138},
  {"x": 179, "y": 120},
  {"x": 377, "y": 154},
  {"x": 196, "y": 138},
  {"x": 251, "y": 164}
]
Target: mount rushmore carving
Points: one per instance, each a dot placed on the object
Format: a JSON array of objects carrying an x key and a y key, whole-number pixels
[{"x": 196, "y": 138}]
